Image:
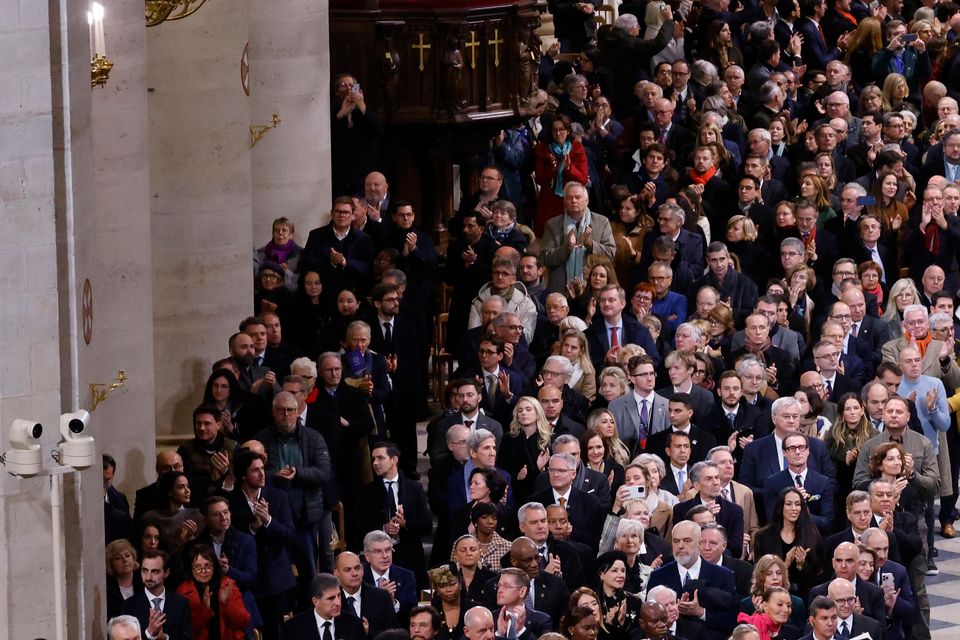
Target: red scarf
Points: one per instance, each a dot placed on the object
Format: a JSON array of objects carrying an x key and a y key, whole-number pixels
[
  {"x": 878, "y": 294},
  {"x": 922, "y": 343},
  {"x": 848, "y": 16},
  {"x": 697, "y": 178},
  {"x": 931, "y": 238}
]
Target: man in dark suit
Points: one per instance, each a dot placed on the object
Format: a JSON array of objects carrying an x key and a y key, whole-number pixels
[
  {"x": 561, "y": 417},
  {"x": 705, "y": 477},
  {"x": 864, "y": 326},
  {"x": 534, "y": 523},
  {"x": 685, "y": 628},
  {"x": 397, "y": 337},
  {"x": 850, "y": 624},
  {"x": 677, "y": 447},
  {"x": 892, "y": 578},
  {"x": 676, "y": 138},
  {"x": 342, "y": 254},
  {"x": 764, "y": 456},
  {"x": 159, "y": 611},
  {"x": 689, "y": 246},
  {"x": 264, "y": 512},
  {"x": 826, "y": 360},
  {"x": 868, "y": 246},
  {"x": 380, "y": 572},
  {"x": 116, "y": 509},
  {"x": 859, "y": 519},
  {"x": 372, "y": 606},
  {"x": 679, "y": 414},
  {"x": 733, "y": 413},
  {"x": 469, "y": 415},
  {"x": 708, "y": 591},
  {"x": 549, "y": 593},
  {"x": 845, "y": 558},
  {"x": 737, "y": 289},
  {"x": 326, "y": 620},
  {"x": 342, "y": 415},
  {"x": 395, "y": 504},
  {"x": 822, "y": 620},
  {"x": 680, "y": 368},
  {"x": 481, "y": 452},
  {"x": 757, "y": 339},
  {"x": 611, "y": 329},
  {"x": 497, "y": 397},
  {"x": 713, "y": 547},
  {"x": 512, "y": 590},
  {"x": 816, "y": 488},
  {"x": 148, "y": 498},
  {"x": 815, "y": 51},
  {"x": 584, "y": 510},
  {"x": 590, "y": 481}
]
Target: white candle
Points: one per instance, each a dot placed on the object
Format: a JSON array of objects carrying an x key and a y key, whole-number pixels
[
  {"x": 101, "y": 47},
  {"x": 90, "y": 24}
]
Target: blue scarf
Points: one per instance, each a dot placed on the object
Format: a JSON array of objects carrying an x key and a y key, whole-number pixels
[
  {"x": 559, "y": 152},
  {"x": 574, "y": 266}
]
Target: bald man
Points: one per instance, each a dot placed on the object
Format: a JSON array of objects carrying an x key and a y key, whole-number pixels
[
  {"x": 845, "y": 558},
  {"x": 707, "y": 591},
  {"x": 147, "y": 498},
  {"x": 373, "y": 606}
]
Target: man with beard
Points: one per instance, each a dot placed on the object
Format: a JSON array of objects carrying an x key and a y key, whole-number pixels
[
  {"x": 253, "y": 377},
  {"x": 206, "y": 458}
]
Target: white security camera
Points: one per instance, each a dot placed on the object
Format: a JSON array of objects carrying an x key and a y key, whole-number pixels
[
  {"x": 76, "y": 449},
  {"x": 24, "y": 457}
]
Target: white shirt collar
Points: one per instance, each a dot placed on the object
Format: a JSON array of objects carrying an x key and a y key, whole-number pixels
[
  {"x": 693, "y": 572},
  {"x": 320, "y": 621},
  {"x": 565, "y": 496}
]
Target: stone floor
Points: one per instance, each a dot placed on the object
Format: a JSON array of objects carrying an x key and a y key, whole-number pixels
[{"x": 944, "y": 591}]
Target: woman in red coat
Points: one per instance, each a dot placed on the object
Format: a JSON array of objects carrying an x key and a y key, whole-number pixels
[
  {"x": 215, "y": 599},
  {"x": 558, "y": 162}
]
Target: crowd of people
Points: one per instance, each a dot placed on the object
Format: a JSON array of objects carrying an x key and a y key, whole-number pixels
[{"x": 700, "y": 315}]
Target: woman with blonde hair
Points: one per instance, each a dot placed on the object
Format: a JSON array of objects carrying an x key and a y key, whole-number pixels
[
  {"x": 800, "y": 280},
  {"x": 895, "y": 93},
  {"x": 844, "y": 440},
  {"x": 903, "y": 293},
  {"x": 660, "y": 502},
  {"x": 741, "y": 240},
  {"x": 721, "y": 331},
  {"x": 711, "y": 134},
  {"x": 123, "y": 577},
  {"x": 605, "y": 424},
  {"x": 525, "y": 449},
  {"x": 573, "y": 346},
  {"x": 871, "y": 99},
  {"x": 613, "y": 384}
]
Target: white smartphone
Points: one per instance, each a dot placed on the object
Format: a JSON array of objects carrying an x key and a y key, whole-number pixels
[{"x": 886, "y": 579}]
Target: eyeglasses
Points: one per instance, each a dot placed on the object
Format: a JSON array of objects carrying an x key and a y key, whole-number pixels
[
  {"x": 645, "y": 374},
  {"x": 557, "y": 471},
  {"x": 488, "y": 352},
  {"x": 842, "y": 316},
  {"x": 287, "y": 410},
  {"x": 794, "y": 448},
  {"x": 203, "y": 568}
]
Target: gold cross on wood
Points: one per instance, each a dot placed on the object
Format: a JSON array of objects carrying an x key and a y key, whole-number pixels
[
  {"x": 472, "y": 44},
  {"x": 421, "y": 46},
  {"x": 496, "y": 42}
]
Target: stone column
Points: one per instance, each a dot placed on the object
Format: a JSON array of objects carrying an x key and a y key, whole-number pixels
[
  {"x": 200, "y": 192},
  {"x": 290, "y": 76}
]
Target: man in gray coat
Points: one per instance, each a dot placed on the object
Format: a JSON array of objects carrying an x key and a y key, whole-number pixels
[{"x": 572, "y": 236}]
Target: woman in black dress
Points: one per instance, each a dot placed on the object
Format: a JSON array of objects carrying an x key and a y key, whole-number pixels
[{"x": 792, "y": 535}]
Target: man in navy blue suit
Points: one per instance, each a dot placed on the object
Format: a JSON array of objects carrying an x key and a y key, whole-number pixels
[
  {"x": 816, "y": 488},
  {"x": 264, "y": 512},
  {"x": 705, "y": 477},
  {"x": 380, "y": 572},
  {"x": 815, "y": 51},
  {"x": 764, "y": 457},
  {"x": 326, "y": 620},
  {"x": 159, "y": 611},
  {"x": 611, "y": 329},
  {"x": 893, "y": 579},
  {"x": 511, "y": 593},
  {"x": 823, "y": 619},
  {"x": 708, "y": 591}
]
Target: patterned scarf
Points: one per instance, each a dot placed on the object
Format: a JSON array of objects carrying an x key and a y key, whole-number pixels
[
  {"x": 574, "y": 267},
  {"x": 560, "y": 151}
]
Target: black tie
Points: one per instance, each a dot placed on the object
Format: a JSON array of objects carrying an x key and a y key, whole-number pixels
[
  {"x": 543, "y": 557},
  {"x": 391, "y": 503},
  {"x": 352, "y": 603},
  {"x": 387, "y": 337},
  {"x": 799, "y": 481},
  {"x": 327, "y": 635},
  {"x": 844, "y": 632}
]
